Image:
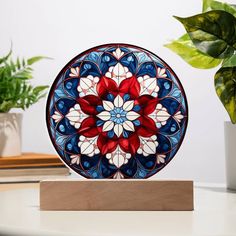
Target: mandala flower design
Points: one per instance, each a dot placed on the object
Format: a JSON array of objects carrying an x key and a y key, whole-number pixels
[
  {"x": 118, "y": 73},
  {"x": 161, "y": 159},
  {"x": 87, "y": 85},
  {"x": 75, "y": 116},
  {"x": 161, "y": 116},
  {"x": 56, "y": 116},
  {"x": 75, "y": 159},
  {"x": 118, "y": 116},
  {"x": 74, "y": 72},
  {"x": 148, "y": 85},
  {"x": 117, "y": 112}
]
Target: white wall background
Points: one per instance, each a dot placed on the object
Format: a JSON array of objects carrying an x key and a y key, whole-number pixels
[{"x": 62, "y": 29}]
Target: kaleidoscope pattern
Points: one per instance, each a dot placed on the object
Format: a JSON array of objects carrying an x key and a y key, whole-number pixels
[{"x": 117, "y": 111}]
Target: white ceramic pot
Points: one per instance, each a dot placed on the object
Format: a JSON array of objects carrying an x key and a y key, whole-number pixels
[
  {"x": 10, "y": 134},
  {"x": 230, "y": 154}
]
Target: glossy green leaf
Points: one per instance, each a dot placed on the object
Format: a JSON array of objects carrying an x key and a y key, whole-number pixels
[
  {"x": 187, "y": 51},
  {"x": 32, "y": 60},
  {"x": 229, "y": 62},
  {"x": 216, "y": 5},
  {"x": 213, "y": 32},
  {"x": 206, "y": 5},
  {"x": 225, "y": 85}
]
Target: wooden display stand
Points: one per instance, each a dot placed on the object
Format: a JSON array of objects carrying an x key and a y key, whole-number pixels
[{"x": 137, "y": 195}]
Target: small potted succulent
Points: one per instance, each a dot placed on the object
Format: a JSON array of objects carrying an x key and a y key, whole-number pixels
[
  {"x": 15, "y": 92},
  {"x": 211, "y": 41}
]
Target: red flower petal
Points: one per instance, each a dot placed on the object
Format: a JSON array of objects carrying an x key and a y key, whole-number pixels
[
  {"x": 89, "y": 103},
  {"x": 147, "y": 127},
  {"x": 105, "y": 86},
  {"x": 130, "y": 144},
  {"x": 106, "y": 145},
  {"x": 88, "y": 127},
  {"x": 130, "y": 86},
  {"x": 147, "y": 103}
]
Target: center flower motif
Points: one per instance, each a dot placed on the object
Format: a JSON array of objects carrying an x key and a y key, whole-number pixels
[{"x": 118, "y": 116}]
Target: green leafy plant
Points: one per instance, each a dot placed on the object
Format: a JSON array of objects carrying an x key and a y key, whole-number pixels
[
  {"x": 210, "y": 41},
  {"x": 15, "y": 88}
]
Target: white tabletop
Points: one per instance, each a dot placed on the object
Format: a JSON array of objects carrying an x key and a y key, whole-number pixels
[{"x": 214, "y": 214}]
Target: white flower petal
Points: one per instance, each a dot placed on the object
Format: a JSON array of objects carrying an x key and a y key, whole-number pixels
[
  {"x": 86, "y": 148},
  {"x": 156, "y": 88},
  {"x": 72, "y": 122},
  {"x": 139, "y": 151},
  {"x": 153, "y": 137},
  {"x": 161, "y": 159},
  {"x": 149, "y": 148},
  {"x": 79, "y": 89},
  {"x": 56, "y": 117},
  {"x": 85, "y": 83},
  {"x": 140, "y": 79},
  {"x": 161, "y": 72},
  {"x": 128, "y": 105},
  {"x": 118, "y": 102},
  {"x": 74, "y": 160},
  {"x": 108, "y": 74},
  {"x": 150, "y": 83},
  {"x": 96, "y": 79},
  {"x": 82, "y": 138},
  {"x": 152, "y": 87},
  {"x": 118, "y": 53},
  {"x": 104, "y": 115},
  {"x": 77, "y": 125},
  {"x": 128, "y": 75},
  {"x": 118, "y": 160},
  {"x": 73, "y": 116},
  {"x": 118, "y": 175},
  {"x": 119, "y": 70},
  {"x": 162, "y": 115},
  {"x": 118, "y": 129},
  {"x": 77, "y": 107},
  {"x": 128, "y": 125},
  {"x": 132, "y": 115},
  {"x": 128, "y": 155},
  {"x": 108, "y": 155},
  {"x": 178, "y": 116},
  {"x": 108, "y": 106},
  {"x": 73, "y": 71},
  {"x": 108, "y": 126}
]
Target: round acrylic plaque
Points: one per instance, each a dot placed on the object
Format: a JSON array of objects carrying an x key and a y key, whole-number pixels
[{"x": 116, "y": 111}]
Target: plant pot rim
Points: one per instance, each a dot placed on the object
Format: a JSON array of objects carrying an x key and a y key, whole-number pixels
[
  {"x": 2, "y": 114},
  {"x": 15, "y": 113}
]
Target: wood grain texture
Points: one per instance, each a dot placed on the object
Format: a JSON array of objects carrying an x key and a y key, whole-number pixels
[
  {"x": 30, "y": 160},
  {"x": 141, "y": 195}
]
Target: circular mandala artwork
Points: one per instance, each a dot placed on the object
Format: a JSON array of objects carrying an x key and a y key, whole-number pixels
[{"x": 117, "y": 111}]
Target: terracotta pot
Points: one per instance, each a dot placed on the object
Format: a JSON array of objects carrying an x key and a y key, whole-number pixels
[
  {"x": 230, "y": 155},
  {"x": 10, "y": 134}
]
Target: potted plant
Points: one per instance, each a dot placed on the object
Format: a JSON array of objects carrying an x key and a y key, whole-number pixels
[
  {"x": 211, "y": 41},
  {"x": 15, "y": 92}
]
